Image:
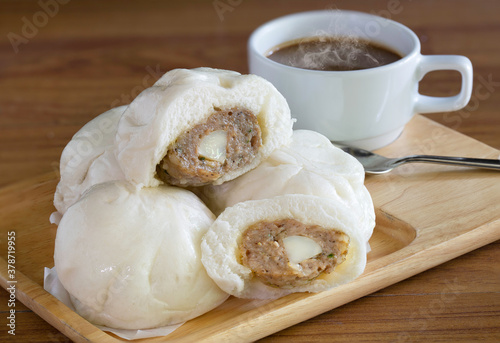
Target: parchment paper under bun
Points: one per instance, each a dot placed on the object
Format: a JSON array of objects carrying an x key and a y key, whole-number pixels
[
  {"x": 220, "y": 254},
  {"x": 131, "y": 258},
  {"x": 311, "y": 165},
  {"x": 183, "y": 98},
  {"x": 88, "y": 159}
]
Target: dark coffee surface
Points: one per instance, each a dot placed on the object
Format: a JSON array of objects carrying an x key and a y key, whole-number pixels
[{"x": 333, "y": 54}]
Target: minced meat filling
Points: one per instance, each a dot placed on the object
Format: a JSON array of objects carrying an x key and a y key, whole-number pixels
[
  {"x": 183, "y": 166},
  {"x": 262, "y": 250}
]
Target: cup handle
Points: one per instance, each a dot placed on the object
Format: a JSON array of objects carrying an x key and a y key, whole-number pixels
[{"x": 428, "y": 104}]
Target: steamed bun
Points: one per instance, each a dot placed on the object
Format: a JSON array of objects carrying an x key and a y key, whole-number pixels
[
  {"x": 222, "y": 257},
  {"x": 309, "y": 165},
  {"x": 88, "y": 159},
  {"x": 131, "y": 258},
  {"x": 184, "y": 98}
]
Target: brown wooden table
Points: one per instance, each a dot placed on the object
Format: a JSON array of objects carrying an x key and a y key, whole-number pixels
[{"x": 64, "y": 62}]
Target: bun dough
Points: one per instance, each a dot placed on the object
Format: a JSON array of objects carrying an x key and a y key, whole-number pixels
[
  {"x": 220, "y": 253},
  {"x": 183, "y": 98},
  {"x": 309, "y": 165},
  {"x": 88, "y": 159},
  {"x": 131, "y": 258}
]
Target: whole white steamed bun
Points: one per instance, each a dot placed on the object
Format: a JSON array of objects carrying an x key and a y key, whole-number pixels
[{"x": 130, "y": 258}]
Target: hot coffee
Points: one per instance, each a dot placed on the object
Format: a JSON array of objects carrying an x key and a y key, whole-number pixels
[
  {"x": 332, "y": 53},
  {"x": 366, "y": 108}
]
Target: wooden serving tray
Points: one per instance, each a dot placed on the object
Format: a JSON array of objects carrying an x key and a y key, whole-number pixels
[{"x": 426, "y": 215}]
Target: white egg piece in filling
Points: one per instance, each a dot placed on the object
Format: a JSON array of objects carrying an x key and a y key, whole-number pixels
[
  {"x": 213, "y": 146},
  {"x": 300, "y": 248},
  {"x": 221, "y": 243}
]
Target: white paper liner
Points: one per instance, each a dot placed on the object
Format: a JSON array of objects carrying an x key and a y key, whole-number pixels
[
  {"x": 55, "y": 218},
  {"x": 52, "y": 285}
]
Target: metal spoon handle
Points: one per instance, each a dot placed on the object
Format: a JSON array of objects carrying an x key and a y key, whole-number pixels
[{"x": 463, "y": 161}]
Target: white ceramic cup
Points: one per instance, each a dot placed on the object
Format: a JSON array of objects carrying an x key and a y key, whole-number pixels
[{"x": 366, "y": 108}]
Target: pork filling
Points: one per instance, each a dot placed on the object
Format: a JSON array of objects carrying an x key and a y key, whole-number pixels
[
  {"x": 228, "y": 140},
  {"x": 263, "y": 249}
]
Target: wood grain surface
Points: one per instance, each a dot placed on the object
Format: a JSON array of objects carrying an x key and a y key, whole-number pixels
[{"x": 64, "y": 62}]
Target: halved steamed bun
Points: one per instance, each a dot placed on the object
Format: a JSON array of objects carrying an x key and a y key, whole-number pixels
[
  {"x": 201, "y": 126},
  {"x": 292, "y": 243},
  {"x": 310, "y": 165},
  {"x": 88, "y": 159},
  {"x": 131, "y": 258}
]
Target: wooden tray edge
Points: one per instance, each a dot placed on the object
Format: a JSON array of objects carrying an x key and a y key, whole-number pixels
[
  {"x": 36, "y": 298},
  {"x": 371, "y": 282},
  {"x": 65, "y": 320}
]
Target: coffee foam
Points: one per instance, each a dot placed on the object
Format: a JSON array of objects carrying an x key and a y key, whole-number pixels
[{"x": 344, "y": 52}]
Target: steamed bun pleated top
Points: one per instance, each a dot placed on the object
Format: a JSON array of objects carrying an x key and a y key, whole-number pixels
[
  {"x": 88, "y": 159},
  {"x": 201, "y": 126}
]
